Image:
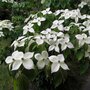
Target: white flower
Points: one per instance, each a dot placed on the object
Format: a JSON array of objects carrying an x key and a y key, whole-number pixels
[
  {"x": 54, "y": 45},
  {"x": 38, "y": 20},
  {"x": 42, "y": 59},
  {"x": 57, "y": 62},
  {"x": 6, "y": 24},
  {"x": 19, "y": 58},
  {"x": 82, "y": 38},
  {"x": 82, "y": 4},
  {"x": 57, "y": 12},
  {"x": 58, "y": 24},
  {"x": 73, "y": 14},
  {"x": 47, "y": 11},
  {"x": 39, "y": 39},
  {"x": 65, "y": 42},
  {"x": 19, "y": 42},
  {"x": 47, "y": 31},
  {"x": 28, "y": 27}
]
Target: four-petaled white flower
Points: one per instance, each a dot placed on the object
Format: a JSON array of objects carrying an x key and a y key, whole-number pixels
[
  {"x": 82, "y": 4},
  {"x": 82, "y": 38},
  {"x": 65, "y": 42},
  {"x": 54, "y": 45},
  {"x": 38, "y": 20},
  {"x": 58, "y": 24},
  {"x": 47, "y": 11},
  {"x": 18, "y": 58},
  {"x": 28, "y": 28},
  {"x": 57, "y": 62},
  {"x": 6, "y": 24},
  {"x": 39, "y": 39},
  {"x": 19, "y": 42},
  {"x": 42, "y": 59}
]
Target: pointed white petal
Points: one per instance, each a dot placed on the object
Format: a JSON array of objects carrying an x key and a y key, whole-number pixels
[
  {"x": 79, "y": 37},
  {"x": 17, "y": 55},
  {"x": 57, "y": 48},
  {"x": 21, "y": 43},
  {"x": 39, "y": 23},
  {"x": 64, "y": 66},
  {"x": 81, "y": 43},
  {"x": 38, "y": 57},
  {"x": 51, "y": 47},
  {"x": 63, "y": 47},
  {"x": 39, "y": 41},
  {"x": 45, "y": 54},
  {"x": 55, "y": 67},
  {"x": 28, "y": 55},
  {"x": 70, "y": 45},
  {"x": 25, "y": 31},
  {"x": 88, "y": 40},
  {"x": 40, "y": 64},
  {"x": 31, "y": 30},
  {"x": 53, "y": 58},
  {"x": 61, "y": 58},
  {"x": 28, "y": 64},
  {"x": 60, "y": 27},
  {"x": 16, "y": 65},
  {"x": 9, "y": 59}
]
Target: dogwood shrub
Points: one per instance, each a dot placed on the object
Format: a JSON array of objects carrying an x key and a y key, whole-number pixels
[{"x": 50, "y": 40}]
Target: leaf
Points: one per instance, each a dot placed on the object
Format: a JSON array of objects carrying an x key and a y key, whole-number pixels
[
  {"x": 84, "y": 67},
  {"x": 31, "y": 74},
  {"x": 47, "y": 3},
  {"x": 80, "y": 54},
  {"x": 57, "y": 79},
  {"x": 21, "y": 83}
]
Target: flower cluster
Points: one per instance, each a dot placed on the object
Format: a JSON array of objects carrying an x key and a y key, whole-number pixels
[
  {"x": 10, "y": 1},
  {"x": 47, "y": 36},
  {"x": 5, "y": 24}
]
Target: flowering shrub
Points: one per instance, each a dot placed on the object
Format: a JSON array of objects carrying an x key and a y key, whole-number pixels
[{"x": 50, "y": 41}]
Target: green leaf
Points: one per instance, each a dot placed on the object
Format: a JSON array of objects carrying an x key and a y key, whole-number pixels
[
  {"x": 84, "y": 67},
  {"x": 80, "y": 54},
  {"x": 21, "y": 83},
  {"x": 57, "y": 78}
]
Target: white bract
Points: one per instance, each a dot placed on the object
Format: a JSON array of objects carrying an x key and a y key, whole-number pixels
[
  {"x": 39, "y": 39},
  {"x": 57, "y": 62},
  {"x": 65, "y": 42},
  {"x": 10, "y": 1},
  {"x": 82, "y": 4},
  {"x": 42, "y": 59},
  {"x": 47, "y": 11},
  {"x": 6, "y": 24},
  {"x": 28, "y": 28},
  {"x": 82, "y": 38},
  {"x": 38, "y": 20},
  {"x": 19, "y": 42},
  {"x": 58, "y": 24},
  {"x": 54, "y": 45},
  {"x": 18, "y": 58}
]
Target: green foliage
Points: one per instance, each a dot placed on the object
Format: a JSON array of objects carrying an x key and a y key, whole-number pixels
[{"x": 59, "y": 4}]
